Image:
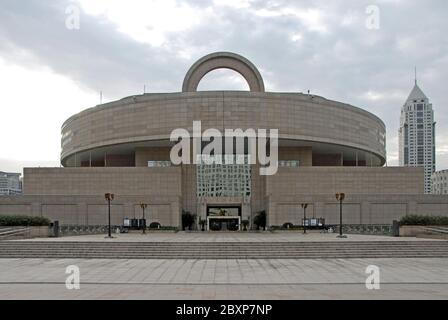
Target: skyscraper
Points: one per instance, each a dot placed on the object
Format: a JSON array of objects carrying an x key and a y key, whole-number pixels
[{"x": 417, "y": 134}]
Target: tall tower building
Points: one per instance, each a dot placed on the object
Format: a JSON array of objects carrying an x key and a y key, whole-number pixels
[{"x": 417, "y": 134}]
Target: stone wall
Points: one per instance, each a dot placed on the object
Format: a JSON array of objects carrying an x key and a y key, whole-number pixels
[
  {"x": 152, "y": 117},
  {"x": 357, "y": 208},
  {"x": 93, "y": 210},
  {"x": 351, "y": 180},
  {"x": 76, "y": 195},
  {"x": 97, "y": 181}
]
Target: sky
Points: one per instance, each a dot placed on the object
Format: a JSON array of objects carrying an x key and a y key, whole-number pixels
[{"x": 57, "y": 56}]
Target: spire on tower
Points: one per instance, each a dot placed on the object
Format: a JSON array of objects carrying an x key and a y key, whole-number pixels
[{"x": 415, "y": 72}]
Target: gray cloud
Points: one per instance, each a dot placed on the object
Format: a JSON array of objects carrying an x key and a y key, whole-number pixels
[{"x": 344, "y": 62}]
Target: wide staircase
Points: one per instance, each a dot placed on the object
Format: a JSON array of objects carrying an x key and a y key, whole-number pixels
[
  {"x": 7, "y": 233},
  {"x": 434, "y": 233},
  {"x": 224, "y": 250}
]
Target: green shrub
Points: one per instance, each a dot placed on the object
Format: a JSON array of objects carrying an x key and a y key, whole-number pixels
[
  {"x": 283, "y": 227},
  {"x": 11, "y": 220},
  {"x": 164, "y": 228},
  {"x": 420, "y": 220},
  {"x": 287, "y": 225},
  {"x": 155, "y": 225}
]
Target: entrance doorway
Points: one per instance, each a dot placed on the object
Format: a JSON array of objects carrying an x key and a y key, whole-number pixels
[{"x": 224, "y": 218}]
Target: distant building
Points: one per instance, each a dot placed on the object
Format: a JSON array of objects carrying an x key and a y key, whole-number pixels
[
  {"x": 10, "y": 183},
  {"x": 417, "y": 134},
  {"x": 440, "y": 182}
]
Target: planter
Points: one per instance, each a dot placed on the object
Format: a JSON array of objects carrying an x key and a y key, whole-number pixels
[{"x": 25, "y": 232}]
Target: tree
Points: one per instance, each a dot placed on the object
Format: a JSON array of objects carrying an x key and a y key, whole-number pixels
[
  {"x": 260, "y": 220},
  {"x": 187, "y": 220}
]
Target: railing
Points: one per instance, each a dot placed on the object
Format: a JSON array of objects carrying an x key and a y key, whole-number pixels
[
  {"x": 373, "y": 229},
  {"x": 79, "y": 230},
  {"x": 73, "y": 230}
]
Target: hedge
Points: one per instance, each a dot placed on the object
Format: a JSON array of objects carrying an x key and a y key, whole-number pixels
[
  {"x": 23, "y": 221},
  {"x": 419, "y": 220}
]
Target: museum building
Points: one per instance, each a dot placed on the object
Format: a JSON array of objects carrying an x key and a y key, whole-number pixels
[{"x": 123, "y": 147}]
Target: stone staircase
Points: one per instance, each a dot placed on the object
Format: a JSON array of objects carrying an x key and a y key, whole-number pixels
[
  {"x": 224, "y": 250},
  {"x": 434, "y": 233},
  {"x": 7, "y": 233}
]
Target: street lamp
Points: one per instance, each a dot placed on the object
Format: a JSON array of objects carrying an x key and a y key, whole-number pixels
[
  {"x": 304, "y": 206},
  {"x": 143, "y": 206},
  {"x": 340, "y": 197},
  {"x": 109, "y": 197}
]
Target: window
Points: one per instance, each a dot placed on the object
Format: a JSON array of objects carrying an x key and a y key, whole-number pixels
[
  {"x": 288, "y": 163},
  {"x": 158, "y": 164},
  {"x": 223, "y": 180},
  {"x": 420, "y": 155},
  {"x": 420, "y": 138}
]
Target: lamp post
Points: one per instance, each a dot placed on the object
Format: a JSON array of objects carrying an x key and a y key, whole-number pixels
[
  {"x": 340, "y": 197},
  {"x": 143, "y": 206},
  {"x": 109, "y": 197},
  {"x": 304, "y": 206}
]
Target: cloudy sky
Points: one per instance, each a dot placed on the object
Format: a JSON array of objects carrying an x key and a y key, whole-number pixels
[{"x": 51, "y": 69}]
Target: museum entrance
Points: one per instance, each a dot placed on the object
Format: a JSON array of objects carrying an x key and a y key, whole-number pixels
[{"x": 224, "y": 218}]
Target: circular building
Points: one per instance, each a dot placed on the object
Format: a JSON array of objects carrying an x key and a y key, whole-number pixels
[{"x": 312, "y": 132}]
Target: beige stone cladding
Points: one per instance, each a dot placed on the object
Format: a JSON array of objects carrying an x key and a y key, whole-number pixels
[
  {"x": 357, "y": 208},
  {"x": 76, "y": 195},
  {"x": 152, "y": 117},
  {"x": 92, "y": 210},
  {"x": 97, "y": 181},
  {"x": 374, "y": 195},
  {"x": 351, "y": 180}
]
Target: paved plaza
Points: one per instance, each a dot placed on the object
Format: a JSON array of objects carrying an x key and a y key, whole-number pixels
[
  {"x": 291, "y": 236},
  {"x": 224, "y": 279},
  {"x": 404, "y": 278}
]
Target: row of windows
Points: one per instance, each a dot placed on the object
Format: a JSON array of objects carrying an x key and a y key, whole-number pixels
[
  {"x": 288, "y": 163},
  {"x": 158, "y": 164},
  {"x": 417, "y": 106}
]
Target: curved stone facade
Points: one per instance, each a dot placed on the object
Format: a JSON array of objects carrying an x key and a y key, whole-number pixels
[{"x": 152, "y": 117}]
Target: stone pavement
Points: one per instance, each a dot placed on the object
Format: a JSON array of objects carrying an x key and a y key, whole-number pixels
[
  {"x": 227, "y": 237},
  {"x": 224, "y": 279}
]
